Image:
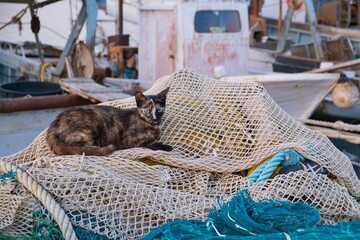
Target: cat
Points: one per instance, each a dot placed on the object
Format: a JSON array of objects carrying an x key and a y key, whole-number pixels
[{"x": 99, "y": 130}]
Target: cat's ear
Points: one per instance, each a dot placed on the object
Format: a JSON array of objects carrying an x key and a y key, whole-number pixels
[
  {"x": 162, "y": 94},
  {"x": 140, "y": 99}
]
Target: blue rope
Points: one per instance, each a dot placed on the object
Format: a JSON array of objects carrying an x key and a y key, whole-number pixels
[{"x": 284, "y": 158}]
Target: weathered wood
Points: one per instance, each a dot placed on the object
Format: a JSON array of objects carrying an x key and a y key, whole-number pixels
[
  {"x": 337, "y": 66},
  {"x": 312, "y": 24},
  {"x": 290, "y": 64},
  {"x": 76, "y": 80},
  {"x": 260, "y": 61},
  {"x": 285, "y": 29},
  {"x": 89, "y": 89},
  {"x": 358, "y": 13},
  {"x": 126, "y": 83},
  {"x": 69, "y": 70},
  {"x": 324, "y": 29},
  {"x": 335, "y": 50}
]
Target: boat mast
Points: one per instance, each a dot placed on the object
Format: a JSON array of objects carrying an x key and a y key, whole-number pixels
[{"x": 120, "y": 18}]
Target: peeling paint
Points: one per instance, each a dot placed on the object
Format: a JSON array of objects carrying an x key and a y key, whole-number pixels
[{"x": 168, "y": 41}]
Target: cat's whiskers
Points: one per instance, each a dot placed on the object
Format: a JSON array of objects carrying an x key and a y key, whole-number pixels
[{"x": 153, "y": 110}]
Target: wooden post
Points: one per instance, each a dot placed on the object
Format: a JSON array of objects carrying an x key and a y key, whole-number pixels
[
  {"x": 313, "y": 24},
  {"x": 285, "y": 28},
  {"x": 358, "y": 13},
  {"x": 255, "y": 8},
  {"x": 280, "y": 21},
  {"x": 79, "y": 23},
  {"x": 120, "y": 18}
]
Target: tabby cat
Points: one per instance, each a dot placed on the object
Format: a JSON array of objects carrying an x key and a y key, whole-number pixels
[{"x": 100, "y": 130}]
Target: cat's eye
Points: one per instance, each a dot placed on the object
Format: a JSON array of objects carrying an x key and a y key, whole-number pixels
[
  {"x": 160, "y": 110},
  {"x": 146, "y": 111}
]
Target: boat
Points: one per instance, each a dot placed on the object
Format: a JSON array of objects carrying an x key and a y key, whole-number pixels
[
  {"x": 298, "y": 94},
  {"x": 338, "y": 46}
]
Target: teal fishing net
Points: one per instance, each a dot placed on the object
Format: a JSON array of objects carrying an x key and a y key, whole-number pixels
[
  {"x": 243, "y": 218},
  {"x": 239, "y": 218},
  {"x": 45, "y": 228}
]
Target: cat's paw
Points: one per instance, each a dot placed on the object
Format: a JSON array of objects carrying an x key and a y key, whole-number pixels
[
  {"x": 167, "y": 148},
  {"x": 160, "y": 146}
]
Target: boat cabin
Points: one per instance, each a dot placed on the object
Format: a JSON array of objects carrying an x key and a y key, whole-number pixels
[{"x": 211, "y": 37}]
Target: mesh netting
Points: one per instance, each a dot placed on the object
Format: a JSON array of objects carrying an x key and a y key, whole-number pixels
[{"x": 218, "y": 130}]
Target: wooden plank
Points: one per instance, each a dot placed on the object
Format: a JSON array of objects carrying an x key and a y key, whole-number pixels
[
  {"x": 312, "y": 21},
  {"x": 323, "y": 29},
  {"x": 110, "y": 96},
  {"x": 76, "y": 80},
  {"x": 337, "y": 66},
  {"x": 89, "y": 89},
  {"x": 260, "y": 61},
  {"x": 335, "y": 50},
  {"x": 74, "y": 90},
  {"x": 285, "y": 28},
  {"x": 292, "y": 64}
]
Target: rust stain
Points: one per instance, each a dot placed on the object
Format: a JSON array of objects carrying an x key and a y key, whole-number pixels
[
  {"x": 218, "y": 52},
  {"x": 205, "y": 52}
]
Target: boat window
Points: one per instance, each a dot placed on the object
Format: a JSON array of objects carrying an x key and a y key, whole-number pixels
[{"x": 224, "y": 21}]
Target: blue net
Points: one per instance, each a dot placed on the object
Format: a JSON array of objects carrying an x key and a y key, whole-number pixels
[{"x": 243, "y": 218}]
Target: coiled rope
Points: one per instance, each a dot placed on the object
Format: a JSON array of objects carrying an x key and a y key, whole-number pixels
[
  {"x": 44, "y": 197},
  {"x": 284, "y": 158}
]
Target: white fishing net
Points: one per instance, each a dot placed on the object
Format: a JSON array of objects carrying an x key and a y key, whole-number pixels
[{"x": 218, "y": 129}]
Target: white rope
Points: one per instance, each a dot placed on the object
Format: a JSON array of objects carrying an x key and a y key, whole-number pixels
[
  {"x": 347, "y": 127},
  {"x": 339, "y": 125},
  {"x": 16, "y": 18},
  {"x": 44, "y": 197}
]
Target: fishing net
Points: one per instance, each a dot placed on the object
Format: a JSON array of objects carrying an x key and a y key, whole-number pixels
[{"x": 218, "y": 129}]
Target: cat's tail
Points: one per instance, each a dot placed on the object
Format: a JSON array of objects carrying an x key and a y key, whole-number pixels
[{"x": 60, "y": 148}]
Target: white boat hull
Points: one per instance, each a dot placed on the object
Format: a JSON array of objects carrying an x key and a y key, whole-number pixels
[{"x": 298, "y": 94}]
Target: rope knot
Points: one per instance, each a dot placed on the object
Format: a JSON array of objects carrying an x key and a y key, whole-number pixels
[{"x": 291, "y": 158}]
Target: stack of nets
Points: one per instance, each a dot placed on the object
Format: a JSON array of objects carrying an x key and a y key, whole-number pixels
[{"x": 218, "y": 130}]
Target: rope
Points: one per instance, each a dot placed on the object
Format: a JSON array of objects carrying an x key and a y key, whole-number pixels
[
  {"x": 43, "y": 72},
  {"x": 339, "y": 125},
  {"x": 44, "y": 197},
  {"x": 285, "y": 158},
  {"x": 350, "y": 137},
  {"x": 347, "y": 127},
  {"x": 16, "y": 18}
]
